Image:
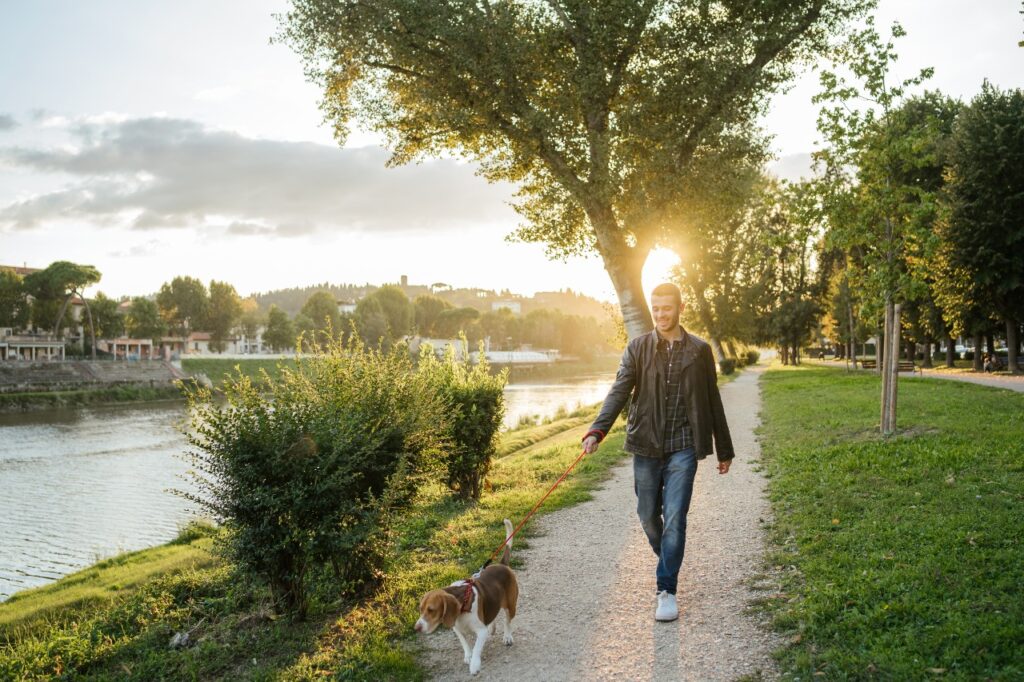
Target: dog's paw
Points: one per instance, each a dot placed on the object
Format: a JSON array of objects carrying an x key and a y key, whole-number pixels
[
  {"x": 467, "y": 658},
  {"x": 507, "y": 639},
  {"x": 474, "y": 667}
]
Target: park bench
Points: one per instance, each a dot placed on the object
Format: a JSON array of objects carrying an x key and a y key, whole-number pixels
[{"x": 901, "y": 365}]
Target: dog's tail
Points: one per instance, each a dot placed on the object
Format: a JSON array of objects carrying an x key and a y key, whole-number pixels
[{"x": 507, "y": 551}]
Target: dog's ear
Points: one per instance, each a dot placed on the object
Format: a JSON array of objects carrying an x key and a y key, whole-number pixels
[{"x": 449, "y": 610}]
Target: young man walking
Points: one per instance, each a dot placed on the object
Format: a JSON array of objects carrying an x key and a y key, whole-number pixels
[{"x": 674, "y": 411}]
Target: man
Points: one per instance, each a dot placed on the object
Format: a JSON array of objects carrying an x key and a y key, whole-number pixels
[{"x": 674, "y": 411}]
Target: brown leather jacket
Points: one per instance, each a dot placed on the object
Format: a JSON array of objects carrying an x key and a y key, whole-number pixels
[{"x": 639, "y": 381}]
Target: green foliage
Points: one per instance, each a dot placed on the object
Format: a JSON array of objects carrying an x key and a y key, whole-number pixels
[
  {"x": 319, "y": 320},
  {"x": 727, "y": 366},
  {"x": 752, "y": 357},
  {"x": 475, "y": 403},
  {"x": 898, "y": 559},
  {"x": 109, "y": 322},
  {"x": 280, "y": 332},
  {"x": 313, "y": 471},
  {"x": 983, "y": 234},
  {"x": 143, "y": 320},
  {"x": 223, "y": 313},
  {"x": 184, "y": 303},
  {"x": 603, "y": 114},
  {"x": 15, "y": 310}
]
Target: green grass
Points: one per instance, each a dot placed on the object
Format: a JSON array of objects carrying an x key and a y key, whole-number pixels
[
  {"x": 217, "y": 368},
  {"x": 12, "y": 402},
  {"x": 896, "y": 559},
  {"x": 107, "y": 580}
]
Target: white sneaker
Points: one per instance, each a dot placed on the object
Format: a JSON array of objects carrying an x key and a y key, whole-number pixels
[{"x": 667, "y": 609}]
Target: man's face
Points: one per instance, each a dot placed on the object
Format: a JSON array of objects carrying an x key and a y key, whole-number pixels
[{"x": 665, "y": 312}]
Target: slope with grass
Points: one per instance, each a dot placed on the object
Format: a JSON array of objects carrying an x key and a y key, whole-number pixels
[{"x": 897, "y": 559}]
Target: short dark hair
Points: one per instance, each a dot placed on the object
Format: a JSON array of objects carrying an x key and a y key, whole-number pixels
[{"x": 668, "y": 289}]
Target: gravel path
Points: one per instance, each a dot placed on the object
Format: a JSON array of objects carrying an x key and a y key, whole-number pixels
[
  {"x": 1013, "y": 383},
  {"x": 586, "y": 604},
  {"x": 1007, "y": 381}
]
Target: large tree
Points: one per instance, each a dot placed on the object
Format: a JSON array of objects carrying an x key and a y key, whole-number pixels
[
  {"x": 184, "y": 304},
  {"x": 15, "y": 309},
  {"x": 143, "y": 320},
  {"x": 224, "y": 312},
  {"x": 63, "y": 281},
  {"x": 984, "y": 229},
  {"x": 868, "y": 148},
  {"x": 599, "y": 111}
]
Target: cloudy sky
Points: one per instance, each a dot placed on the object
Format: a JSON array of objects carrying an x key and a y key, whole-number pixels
[{"x": 152, "y": 139}]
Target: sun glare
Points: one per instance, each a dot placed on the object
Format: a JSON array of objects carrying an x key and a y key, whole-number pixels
[{"x": 657, "y": 269}]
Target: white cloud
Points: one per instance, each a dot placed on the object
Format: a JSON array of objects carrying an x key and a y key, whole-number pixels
[{"x": 176, "y": 173}]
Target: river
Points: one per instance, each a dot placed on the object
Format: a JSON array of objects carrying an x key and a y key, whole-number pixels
[{"x": 79, "y": 485}]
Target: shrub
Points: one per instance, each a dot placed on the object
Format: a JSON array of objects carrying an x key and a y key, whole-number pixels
[
  {"x": 752, "y": 357},
  {"x": 313, "y": 472},
  {"x": 727, "y": 366},
  {"x": 476, "y": 404}
]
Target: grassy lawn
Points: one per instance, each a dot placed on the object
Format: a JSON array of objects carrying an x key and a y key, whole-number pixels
[{"x": 899, "y": 559}]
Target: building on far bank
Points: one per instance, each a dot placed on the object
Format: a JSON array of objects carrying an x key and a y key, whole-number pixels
[
  {"x": 29, "y": 346},
  {"x": 515, "y": 307},
  {"x": 125, "y": 348}
]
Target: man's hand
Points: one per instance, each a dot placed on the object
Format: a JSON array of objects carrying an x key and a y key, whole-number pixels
[
  {"x": 590, "y": 444},
  {"x": 723, "y": 467}
]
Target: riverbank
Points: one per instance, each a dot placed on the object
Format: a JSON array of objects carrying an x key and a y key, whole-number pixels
[
  {"x": 117, "y": 618},
  {"x": 898, "y": 558}
]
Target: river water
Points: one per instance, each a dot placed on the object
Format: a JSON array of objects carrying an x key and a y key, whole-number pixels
[{"x": 81, "y": 484}]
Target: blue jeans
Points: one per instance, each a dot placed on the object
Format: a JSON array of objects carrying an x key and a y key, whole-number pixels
[{"x": 663, "y": 490}]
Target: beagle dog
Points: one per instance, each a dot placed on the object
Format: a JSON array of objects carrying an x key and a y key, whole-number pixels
[{"x": 473, "y": 605}]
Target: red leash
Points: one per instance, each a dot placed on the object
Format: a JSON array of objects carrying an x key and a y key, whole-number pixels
[{"x": 535, "y": 507}]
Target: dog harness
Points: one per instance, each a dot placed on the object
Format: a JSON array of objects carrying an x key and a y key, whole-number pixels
[{"x": 467, "y": 596}]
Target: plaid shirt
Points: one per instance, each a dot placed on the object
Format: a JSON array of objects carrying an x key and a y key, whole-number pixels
[{"x": 678, "y": 432}]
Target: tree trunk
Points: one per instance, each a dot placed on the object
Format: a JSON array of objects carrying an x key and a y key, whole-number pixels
[
  {"x": 92, "y": 328},
  {"x": 625, "y": 272},
  {"x": 716, "y": 348},
  {"x": 1011, "y": 345},
  {"x": 729, "y": 346},
  {"x": 60, "y": 315},
  {"x": 950, "y": 351},
  {"x": 990, "y": 341},
  {"x": 853, "y": 335},
  {"x": 883, "y": 355},
  {"x": 880, "y": 340},
  {"x": 911, "y": 350},
  {"x": 927, "y": 362},
  {"x": 894, "y": 363},
  {"x": 978, "y": 347}
]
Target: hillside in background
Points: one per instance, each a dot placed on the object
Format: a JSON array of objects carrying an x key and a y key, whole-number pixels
[{"x": 567, "y": 301}]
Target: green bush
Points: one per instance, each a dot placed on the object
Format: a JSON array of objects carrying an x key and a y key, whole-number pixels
[
  {"x": 476, "y": 404},
  {"x": 752, "y": 357},
  {"x": 727, "y": 366},
  {"x": 310, "y": 471}
]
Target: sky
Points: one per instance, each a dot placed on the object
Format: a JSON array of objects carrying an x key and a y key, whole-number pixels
[{"x": 158, "y": 139}]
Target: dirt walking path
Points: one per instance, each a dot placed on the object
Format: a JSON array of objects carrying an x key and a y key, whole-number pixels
[
  {"x": 1012, "y": 383},
  {"x": 586, "y": 605},
  {"x": 1007, "y": 381}
]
